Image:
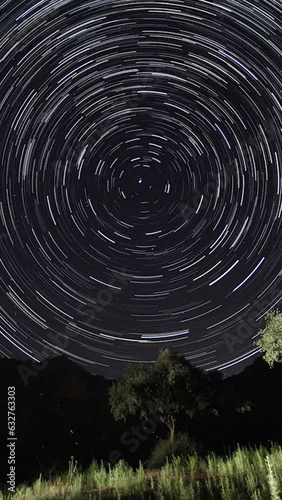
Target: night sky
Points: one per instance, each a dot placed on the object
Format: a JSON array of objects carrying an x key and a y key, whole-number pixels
[{"x": 140, "y": 191}]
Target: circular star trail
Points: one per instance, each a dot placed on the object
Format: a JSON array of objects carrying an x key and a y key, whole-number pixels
[{"x": 141, "y": 192}]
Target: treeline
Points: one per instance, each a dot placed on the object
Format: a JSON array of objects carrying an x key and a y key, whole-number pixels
[{"x": 65, "y": 412}]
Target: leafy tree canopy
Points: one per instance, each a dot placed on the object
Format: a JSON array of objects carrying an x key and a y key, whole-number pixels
[
  {"x": 169, "y": 386},
  {"x": 270, "y": 340}
]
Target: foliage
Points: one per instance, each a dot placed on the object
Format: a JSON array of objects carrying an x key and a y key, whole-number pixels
[
  {"x": 169, "y": 386},
  {"x": 165, "y": 450},
  {"x": 272, "y": 480},
  {"x": 270, "y": 341},
  {"x": 254, "y": 474},
  {"x": 84, "y": 428}
]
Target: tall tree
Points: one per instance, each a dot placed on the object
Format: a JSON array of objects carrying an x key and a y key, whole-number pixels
[
  {"x": 169, "y": 386},
  {"x": 270, "y": 340}
]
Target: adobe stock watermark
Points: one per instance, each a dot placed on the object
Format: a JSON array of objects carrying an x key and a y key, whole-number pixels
[
  {"x": 60, "y": 341},
  {"x": 132, "y": 438},
  {"x": 29, "y": 19},
  {"x": 104, "y": 297},
  {"x": 248, "y": 327},
  {"x": 202, "y": 197},
  {"x": 91, "y": 136}
]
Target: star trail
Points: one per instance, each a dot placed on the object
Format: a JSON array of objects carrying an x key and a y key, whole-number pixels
[{"x": 141, "y": 179}]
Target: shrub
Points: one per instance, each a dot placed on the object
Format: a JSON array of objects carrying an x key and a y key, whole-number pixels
[{"x": 164, "y": 450}]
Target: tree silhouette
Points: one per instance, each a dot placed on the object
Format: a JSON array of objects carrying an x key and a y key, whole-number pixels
[{"x": 169, "y": 386}]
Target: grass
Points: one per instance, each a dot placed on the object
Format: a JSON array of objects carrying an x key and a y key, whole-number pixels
[{"x": 247, "y": 474}]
